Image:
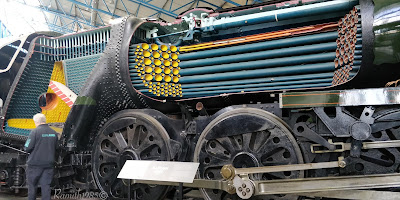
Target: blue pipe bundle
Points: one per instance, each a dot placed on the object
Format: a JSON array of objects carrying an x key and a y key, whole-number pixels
[{"x": 313, "y": 60}]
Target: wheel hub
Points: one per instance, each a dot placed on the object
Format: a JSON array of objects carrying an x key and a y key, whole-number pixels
[
  {"x": 244, "y": 138},
  {"x": 145, "y": 139},
  {"x": 245, "y": 160},
  {"x": 128, "y": 154}
]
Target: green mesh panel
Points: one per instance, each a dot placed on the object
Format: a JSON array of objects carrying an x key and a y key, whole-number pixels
[
  {"x": 77, "y": 70},
  {"x": 34, "y": 82},
  {"x": 17, "y": 131}
]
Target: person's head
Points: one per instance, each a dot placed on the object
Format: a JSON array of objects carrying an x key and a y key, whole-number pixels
[{"x": 39, "y": 119}]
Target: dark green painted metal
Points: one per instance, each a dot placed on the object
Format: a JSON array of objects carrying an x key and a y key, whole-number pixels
[
  {"x": 310, "y": 99},
  {"x": 387, "y": 31}
]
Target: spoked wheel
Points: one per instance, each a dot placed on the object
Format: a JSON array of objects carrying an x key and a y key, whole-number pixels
[
  {"x": 129, "y": 135},
  {"x": 246, "y": 137}
]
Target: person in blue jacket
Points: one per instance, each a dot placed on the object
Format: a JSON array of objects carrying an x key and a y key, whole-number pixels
[{"x": 41, "y": 146}]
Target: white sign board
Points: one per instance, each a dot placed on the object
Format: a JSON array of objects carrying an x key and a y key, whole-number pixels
[{"x": 181, "y": 172}]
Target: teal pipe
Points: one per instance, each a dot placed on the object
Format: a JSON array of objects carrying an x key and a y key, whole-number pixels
[
  {"x": 258, "y": 80},
  {"x": 259, "y": 85},
  {"x": 278, "y": 71},
  {"x": 315, "y": 48},
  {"x": 281, "y": 14},
  {"x": 279, "y": 88},
  {"x": 253, "y": 47},
  {"x": 355, "y": 68},
  {"x": 295, "y": 60}
]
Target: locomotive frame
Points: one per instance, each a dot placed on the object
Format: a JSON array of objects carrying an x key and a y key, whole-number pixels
[{"x": 311, "y": 140}]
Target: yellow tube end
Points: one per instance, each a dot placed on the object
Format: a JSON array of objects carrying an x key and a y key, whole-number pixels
[
  {"x": 173, "y": 48},
  {"x": 148, "y": 69},
  {"x": 146, "y": 54},
  {"x": 158, "y": 78},
  {"x": 145, "y": 46},
  {"x": 175, "y": 71},
  {"x": 167, "y": 71},
  {"x": 167, "y": 63},
  {"x": 175, "y": 79},
  {"x": 174, "y": 56},
  {"x": 156, "y": 54},
  {"x": 175, "y": 64},
  {"x": 147, "y": 61},
  {"x": 164, "y": 48},
  {"x": 157, "y": 70},
  {"x": 157, "y": 62},
  {"x": 165, "y": 55},
  {"x": 154, "y": 46},
  {"x": 167, "y": 78}
]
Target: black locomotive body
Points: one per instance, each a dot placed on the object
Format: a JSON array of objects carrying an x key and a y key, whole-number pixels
[{"x": 272, "y": 84}]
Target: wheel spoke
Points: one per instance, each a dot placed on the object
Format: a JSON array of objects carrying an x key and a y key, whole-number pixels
[
  {"x": 109, "y": 154},
  {"x": 246, "y": 141},
  {"x": 120, "y": 140},
  {"x": 130, "y": 132},
  {"x": 259, "y": 139},
  {"x": 139, "y": 137},
  {"x": 146, "y": 139},
  {"x": 213, "y": 161},
  {"x": 227, "y": 144},
  {"x": 216, "y": 149},
  {"x": 274, "y": 145}
]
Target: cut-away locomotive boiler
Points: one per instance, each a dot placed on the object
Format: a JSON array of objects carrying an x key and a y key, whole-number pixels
[{"x": 261, "y": 96}]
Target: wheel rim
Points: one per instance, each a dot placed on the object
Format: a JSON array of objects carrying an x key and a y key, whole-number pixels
[
  {"x": 269, "y": 143},
  {"x": 145, "y": 139}
]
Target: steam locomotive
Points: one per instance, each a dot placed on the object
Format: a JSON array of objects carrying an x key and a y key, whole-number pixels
[{"x": 276, "y": 84}]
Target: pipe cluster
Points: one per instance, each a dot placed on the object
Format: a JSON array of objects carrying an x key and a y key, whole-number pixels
[
  {"x": 155, "y": 69},
  {"x": 285, "y": 63},
  {"x": 348, "y": 52},
  {"x": 313, "y": 56}
]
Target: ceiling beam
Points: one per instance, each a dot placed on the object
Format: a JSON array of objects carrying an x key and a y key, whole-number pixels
[
  {"x": 153, "y": 7},
  {"x": 90, "y": 7},
  {"x": 4, "y": 32},
  {"x": 232, "y": 2},
  {"x": 61, "y": 14},
  {"x": 93, "y": 14}
]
